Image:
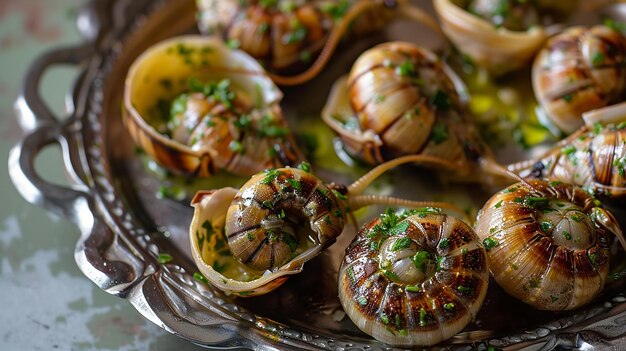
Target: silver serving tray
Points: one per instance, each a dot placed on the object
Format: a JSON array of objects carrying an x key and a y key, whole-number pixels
[{"x": 111, "y": 200}]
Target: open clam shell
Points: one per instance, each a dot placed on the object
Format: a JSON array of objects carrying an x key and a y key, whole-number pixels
[
  {"x": 164, "y": 71},
  {"x": 496, "y": 49},
  {"x": 213, "y": 258}
]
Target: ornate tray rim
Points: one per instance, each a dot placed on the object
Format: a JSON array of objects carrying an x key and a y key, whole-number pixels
[{"x": 120, "y": 256}]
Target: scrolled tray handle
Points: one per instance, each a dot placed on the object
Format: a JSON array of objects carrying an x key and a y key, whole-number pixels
[
  {"x": 43, "y": 128},
  {"x": 106, "y": 261}
]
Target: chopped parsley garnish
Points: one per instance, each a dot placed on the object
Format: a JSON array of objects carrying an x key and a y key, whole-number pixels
[
  {"x": 567, "y": 235},
  {"x": 620, "y": 164},
  {"x": 219, "y": 91},
  {"x": 233, "y": 43},
  {"x": 489, "y": 243},
  {"x": 614, "y": 25},
  {"x": 545, "y": 226},
  {"x": 298, "y": 34},
  {"x": 290, "y": 241},
  {"x": 236, "y": 147},
  {"x": 244, "y": 122},
  {"x": 597, "y": 58},
  {"x": 406, "y": 69},
  {"x": 270, "y": 176},
  {"x": 336, "y": 9},
  {"x": 576, "y": 218},
  {"x": 268, "y": 127},
  {"x": 399, "y": 228},
  {"x": 201, "y": 278},
  {"x": 337, "y": 213},
  {"x": 295, "y": 184},
  {"x": 441, "y": 100},
  {"x": 568, "y": 97},
  {"x": 268, "y": 3},
  {"x": 422, "y": 318},
  {"x": 383, "y": 318},
  {"x": 448, "y": 306},
  {"x": 444, "y": 243},
  {"x": 412, "y": 288},
  {"x": 464, "y": 289},
  {"x": 401, "y": 243},
  {"x": 420, "y": 258},
  {"x": 532, "y": 201},
  {"x": 339, "y": 195},
  {"x": 439, "y": 133},
  {"x": 164, "y": 258},
  {"x": 305, "y": 166}
]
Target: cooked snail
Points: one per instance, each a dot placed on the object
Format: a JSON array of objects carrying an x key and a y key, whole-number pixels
[
  {"x": 400, "y": 99},
  {"x": 277, "y": 221},
  {"x": 497, "y": 35},
  {"x": 415, "y": 278},
  {"x": 196, "y": 107},
  {"x": 288, "y": 35},
  {"x": 580, "y": 70},
  {"x": 593, "y": 158},
  {"x": 548, "y": 243}
]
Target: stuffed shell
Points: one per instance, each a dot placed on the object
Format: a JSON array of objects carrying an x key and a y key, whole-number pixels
[
  {"x": 197, "y": 107},
  {"x": 415, "y": 278}
]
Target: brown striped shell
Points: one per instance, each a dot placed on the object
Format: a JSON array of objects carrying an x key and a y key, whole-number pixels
[
  {"x": 401, "y": 99},
  {"x": 579, "y": 70},
  {"x": 283, "y": 34},
  {"x": 189, "y": 132},
  {"x": 594, "y": 158},
  {"x": 210, "y": 252},
  {"x": 415, "y": 280},
  {"x": 547, "y": 246},
  {"x": 280, "y": 213}
]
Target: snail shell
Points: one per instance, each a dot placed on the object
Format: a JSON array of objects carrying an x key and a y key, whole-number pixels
[
  {"x": 498, "y": 50},
  {"x": 415, "y": 281},
  {"x": 594, "y": 159},
  {"x": 210, "y": 250},
  {"x": 206, "y": 134},
  {"x": 548, "y": 246},
  {"x": 400, "y": 99},
  {"x": 279, "y": 213},
  {"x": 282, "y": 34},
  {"x": 579, "y": 70}
]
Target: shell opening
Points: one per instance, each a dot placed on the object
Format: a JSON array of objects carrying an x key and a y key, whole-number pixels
[
  {"x": 408, "y": 262},
  {"x": 567, "y": 224}
]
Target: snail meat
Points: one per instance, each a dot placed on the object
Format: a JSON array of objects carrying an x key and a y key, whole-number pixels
[
  {"x": 548, "y": 243},
  {"x": 400, "y": 99},
  {"x": 414, "y": 278},
  {"x": 197, "y": 106},
  {"x": 294, "y": 39}
]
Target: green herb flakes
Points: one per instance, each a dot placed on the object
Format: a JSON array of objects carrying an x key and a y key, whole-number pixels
[
  {"x": 164, "y": 258},
  {"x": 200, "y": 277},
  {"x": 489, "y": 243}
]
